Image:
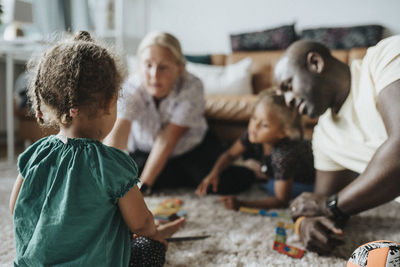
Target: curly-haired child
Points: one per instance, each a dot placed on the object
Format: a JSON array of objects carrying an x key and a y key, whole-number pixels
[
  {"x": 75, "y": 200},
  {"x": 274, "y": 140}
]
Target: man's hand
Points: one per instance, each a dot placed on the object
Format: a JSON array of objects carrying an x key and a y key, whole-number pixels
[
  {"x": 320, "y": 234},
  {"x": 309, "y": 205},
  {"x": 230, "y": 202},
  {"x": 211, "y": 179}
]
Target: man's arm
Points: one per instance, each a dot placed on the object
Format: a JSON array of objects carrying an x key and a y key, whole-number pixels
[
  {"x": 378, "y": 184},
  {"x": 330, "y": 182}
]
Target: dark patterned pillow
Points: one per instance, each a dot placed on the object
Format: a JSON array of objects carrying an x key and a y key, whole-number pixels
[
  {"x": 345, "y": 37},
  {"x": 271, "y": 39},
  {"x": 202, "y": 59}
]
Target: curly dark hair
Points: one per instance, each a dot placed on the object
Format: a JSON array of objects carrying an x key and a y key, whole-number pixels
[{"x": 75, "y": 73}]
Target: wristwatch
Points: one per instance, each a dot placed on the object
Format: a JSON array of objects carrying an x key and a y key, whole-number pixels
[{"x": 331, "y": 204}]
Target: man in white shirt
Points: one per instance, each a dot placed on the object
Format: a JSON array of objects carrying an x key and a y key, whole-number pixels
[{"x": 357, "y": 140}]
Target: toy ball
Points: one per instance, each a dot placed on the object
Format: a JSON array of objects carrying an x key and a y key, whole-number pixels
[{"x": 381, "y": 253}]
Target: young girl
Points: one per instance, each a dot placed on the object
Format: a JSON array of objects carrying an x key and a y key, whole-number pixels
[
  {"x": 75, "y": 200},
  {"x": 274, "y": 139}
]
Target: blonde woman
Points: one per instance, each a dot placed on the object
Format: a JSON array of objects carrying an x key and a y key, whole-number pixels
[{"x": 161, "y": 119}]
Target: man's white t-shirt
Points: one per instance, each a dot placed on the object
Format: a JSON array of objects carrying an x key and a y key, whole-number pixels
[{"x": 349, "y": 139}]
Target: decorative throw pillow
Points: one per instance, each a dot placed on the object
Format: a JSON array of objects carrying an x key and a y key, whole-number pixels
[
  {"x": 233, "y": 79},
  {"x": 202, "y": 59},
  {"x": 271, "y": 39},
  {"x": 345, "y": 37}
]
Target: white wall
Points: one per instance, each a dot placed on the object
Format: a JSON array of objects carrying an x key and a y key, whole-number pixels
[{"x": 203, "y": 26}]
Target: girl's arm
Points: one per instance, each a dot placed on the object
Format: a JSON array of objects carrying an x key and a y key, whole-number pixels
[
  {"x": 137, "y": 216},
  {"x": 160, "y": 152},
  {"x": 282, "y": 189},
  {"x": 222, "y": 163},
  {"x": 15, "y": 192},
  {"x": 118, "y": 137}
]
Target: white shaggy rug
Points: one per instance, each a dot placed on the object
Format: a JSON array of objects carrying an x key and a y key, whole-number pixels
[{"x": 237, "y": 239}]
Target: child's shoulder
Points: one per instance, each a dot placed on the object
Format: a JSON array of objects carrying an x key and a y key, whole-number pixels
[
  {"x": 117, "y": 157},
  {"x": 114, "y": 169},
  {"x": 39, "y": 145},
  {"x": 42, "y": 150},
  {"x": 290, "y": 146}
]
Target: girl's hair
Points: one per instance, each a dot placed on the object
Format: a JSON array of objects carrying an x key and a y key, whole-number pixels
[
  {"x": 163, "y": 39},
  {"x": 74, "y": 73},
  {"x": 290, "y": 119}
]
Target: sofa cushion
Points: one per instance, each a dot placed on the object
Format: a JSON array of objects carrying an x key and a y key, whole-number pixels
[
  {"x": 356, "y": 53},
  {"x": 262, "y": 66},
  {"x": 232, "y": 79},
  {"x": 345, "y": 37},
  {"x": 232, "y": 108},
  {"x": 270, "y": 39},
  {"x": 218, "y": 59}
]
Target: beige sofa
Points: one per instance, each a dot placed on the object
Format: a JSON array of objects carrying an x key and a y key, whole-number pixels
[{"x": 228, "y": 115}]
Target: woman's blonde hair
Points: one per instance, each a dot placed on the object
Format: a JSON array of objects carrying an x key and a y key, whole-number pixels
[
  {"x": 163, "y": 39},
  {"x": 290, "y": 119}
]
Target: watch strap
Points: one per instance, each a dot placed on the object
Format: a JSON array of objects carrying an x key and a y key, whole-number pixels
[{"x": 331, "y": 204}]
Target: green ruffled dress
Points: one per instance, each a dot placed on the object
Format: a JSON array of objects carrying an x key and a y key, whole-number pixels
[{"x": 66, "y": 213}]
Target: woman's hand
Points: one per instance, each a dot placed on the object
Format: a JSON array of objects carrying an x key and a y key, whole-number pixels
[
  {"x": 320, "y": 234},
  {"x": 309, "y": 205},
  {"x": 211, "y": 179},
  {"x": 160, "y": 152},
  {"x": 230, "y": 202}
]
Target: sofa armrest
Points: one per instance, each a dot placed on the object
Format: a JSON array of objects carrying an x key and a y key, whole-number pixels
[{"x": 227, "y": 107}]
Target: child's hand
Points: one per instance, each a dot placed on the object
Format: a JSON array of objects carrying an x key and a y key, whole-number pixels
[
  {"x": 158, "y": 236},
  {"x": 230, "y": 202},
  {"x": 211, "y": 179}
]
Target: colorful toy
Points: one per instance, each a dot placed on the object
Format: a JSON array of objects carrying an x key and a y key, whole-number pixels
[
  {"x": 169, "y": 210},
  {"x": 288, "y": 250},
  {"x": 168, "y": 207},
  {"x": 280, "y": 239},
  {"x": 170, "y": 218},
  {"x": 377, "y": 253},
  {"x": 280, "y": 235},
  {"x": 285, "y": 225},
  {"x": 264, "y": 212}
]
